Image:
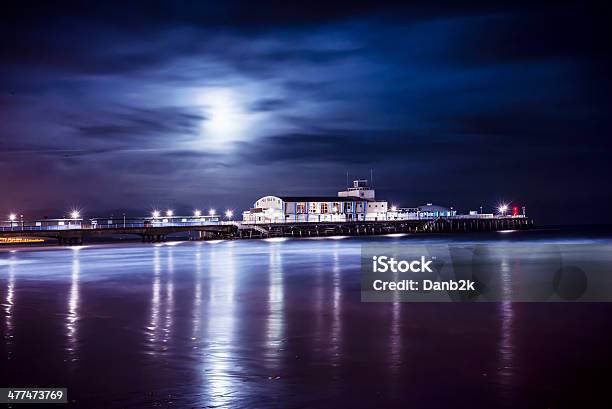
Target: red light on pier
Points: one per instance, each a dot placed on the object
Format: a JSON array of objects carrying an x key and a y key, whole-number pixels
[{"x": 515, "y": 211}]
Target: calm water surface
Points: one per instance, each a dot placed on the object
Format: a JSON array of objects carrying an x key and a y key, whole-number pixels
[{"x": 270, "y": 324}]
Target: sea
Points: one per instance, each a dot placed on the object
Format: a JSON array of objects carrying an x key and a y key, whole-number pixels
[{"x": 280, "y": 323}]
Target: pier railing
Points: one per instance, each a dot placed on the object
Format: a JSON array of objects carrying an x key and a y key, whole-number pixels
[{"x": 88, "y": 226}]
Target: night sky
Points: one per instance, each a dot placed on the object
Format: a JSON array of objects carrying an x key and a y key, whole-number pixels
[{"x": 124, "y": 108}]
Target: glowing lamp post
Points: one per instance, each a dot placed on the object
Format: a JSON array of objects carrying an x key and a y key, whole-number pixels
[
  {"x": 197, "y": 213},
  {"x": 169, "y": 213},
  {"x": 12, "y": 218},
  {"x": 229, "y": 214},
  {"x": 155, "y": 214},
  {"x": 502, "y": 209},
  {"x": 212, "y": 212},
  {"x": 75, "y": 215}
]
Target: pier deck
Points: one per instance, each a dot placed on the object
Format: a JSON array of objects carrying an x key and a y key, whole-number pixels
[{"x": 237, "y": 230}]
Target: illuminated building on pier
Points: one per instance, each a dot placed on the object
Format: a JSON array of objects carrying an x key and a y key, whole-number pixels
[{"x": 356, "y": 203}]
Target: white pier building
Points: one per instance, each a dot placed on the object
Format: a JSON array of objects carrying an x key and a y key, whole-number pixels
[{"x": 357, "y": 203}]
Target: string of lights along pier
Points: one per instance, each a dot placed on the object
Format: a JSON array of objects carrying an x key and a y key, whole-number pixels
[{"x": 354, "y": 211}]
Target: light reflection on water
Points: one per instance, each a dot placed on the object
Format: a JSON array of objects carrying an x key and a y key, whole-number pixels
[
  {"x": 236, "y": 321},
  {"x": 72, "y": 318},
  {"x": 169, "y": 301},
  {"x": 395, "y": 338},
  {"x": 274, "y": 321},
  {"x": 197, "y": 298},
  {"x": 336, "y": 327},
  {"x": 220, "y": 365},
  {"x": 506, "y": 313},
  {"x": 152, "y": 329},
  {"x": 8, "y": 306}
]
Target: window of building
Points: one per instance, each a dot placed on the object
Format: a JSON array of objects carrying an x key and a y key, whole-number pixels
[
  {"x": 300, "y": 207},
  {"x": 324, "y": 207},
  {"x": 313, "y": 207}
]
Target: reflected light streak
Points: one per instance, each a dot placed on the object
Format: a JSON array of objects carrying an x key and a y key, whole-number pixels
[
  {"x": 169, "y": 302},
  {"x": 275, "y": 322},
  {"x": 396, "y": 336},
  {"x": 395, "y": 340},
  {"x": 506, "y": 347},
  {"x": 197, "y": 296},
  {"x": 152, "y": 329},
  {"x": 9, "y": 306},
  {"x": 276, "y": 239},
  {"x": 73, "y": 306},
  {"x": 336, "y": 330},
  {"x": 218, "y": 371}
]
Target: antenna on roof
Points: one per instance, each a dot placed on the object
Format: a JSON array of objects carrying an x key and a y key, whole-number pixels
[{"x": 372, "y": 177}]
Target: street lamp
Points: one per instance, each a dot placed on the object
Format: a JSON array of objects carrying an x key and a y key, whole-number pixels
[
  {"x": 211, "y": 212},
  {"x": 502, "y": 209},
  {"x": 197, "y": 213},
  {"x": 169, "y": 213},
  {"x": 12, "y": 217},
  {"x": 229, "y": 214},
  {"x": 155, "y": 214},
  {"x": 75, "y": 214},
  {"x": 394, "y": 208}
]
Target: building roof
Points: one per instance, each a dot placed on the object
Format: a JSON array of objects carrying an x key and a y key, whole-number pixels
[
  {"x": 433, "y": 208},
  {"x": 324, "y": 199}
]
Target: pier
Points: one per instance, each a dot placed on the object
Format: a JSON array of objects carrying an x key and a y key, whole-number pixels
[
  {"x": 78, "y": 233},
  {"x": 438, "y": 225}
]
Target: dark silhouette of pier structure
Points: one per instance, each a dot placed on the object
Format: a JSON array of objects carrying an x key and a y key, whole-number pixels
[{"x": 76, "y": 234}]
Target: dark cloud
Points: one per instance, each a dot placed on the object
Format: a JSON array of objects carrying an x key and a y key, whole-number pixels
[
  {"x": 269, "y": 104},
  {"x": 137, "y": 123}
]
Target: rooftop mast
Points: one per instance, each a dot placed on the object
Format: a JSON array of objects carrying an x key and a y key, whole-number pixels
[{"x": 372, "y": 177}]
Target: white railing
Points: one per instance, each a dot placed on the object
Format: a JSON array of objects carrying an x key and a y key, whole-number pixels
[
  {"x": 108, "y": 226},
  {"x": 41, "y": 228}
]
